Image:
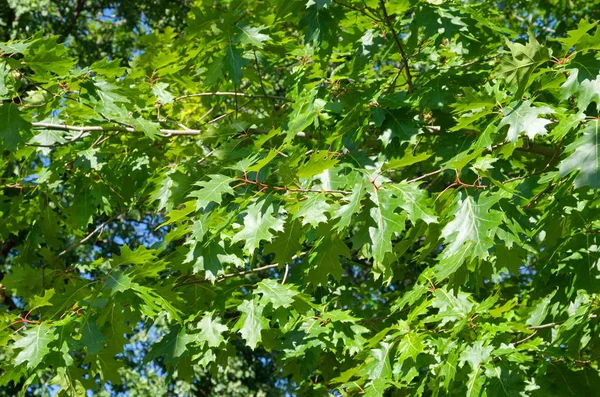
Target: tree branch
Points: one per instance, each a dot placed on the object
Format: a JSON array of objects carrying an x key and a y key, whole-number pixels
[
  {"x": 235, "y": 94},
  {"x": 390, "y": 25},
  {"x": 263, "y": 186},
  {"x": 229, "y": 275},
  {"x": 88, "y": 237},
  {"x": 359, "y": 10},
  {"x": 92, "y": 128},
  {"x": 427, "y": 175}
]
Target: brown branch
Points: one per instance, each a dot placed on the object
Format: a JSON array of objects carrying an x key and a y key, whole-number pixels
[
  {"x": 234, "y": 94},
  {"x": 390, "y": 25}
]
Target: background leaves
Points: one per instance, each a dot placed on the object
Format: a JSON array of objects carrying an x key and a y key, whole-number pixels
[{"x": 311, "y": 198}]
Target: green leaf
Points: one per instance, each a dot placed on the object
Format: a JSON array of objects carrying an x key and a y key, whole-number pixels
[
  {"x": 324, "y": 260},
  {"x": 583, "y": 82},
  {"x": 47, "y": 59},
  {"x": 140, "y": 256},
  {"x": 34, "y": 344},
  {"x": 476, "y": 354},
  {"x": 286, "y": 243},
  {"x": 475, "y": 384},
  {"x": 251, "y": 36},
  {"x": 154, "y": 304},
  {"x": 172, "y": 346},
  {"x": 15, "y": 46},
  {"x": 211, "y": 331},
  {"x": 415, "y": 202},
  {"x": 160, "y": 91},
  {"x": 474, "y": 221},
  {"x": 210, "y": 258},
  {"x": 118, "y": 282},
  {"x": 380, "y": 365},
  {"x": 92, "y": 338},
  {"x": 258, "y": 223},
  {"x": 540, "y": 310},
  {"x": 408, "y": 159},
  {"x": 235, "y": 63},
  {"x": 316, "y": 164},
  {"x": 346, "y": 211},
  {"x": 276, "y": 294},
  {"x": 579, "y": 37},
  {"x": 11, "y": 124},
  {"x": 387, "y": 223},
  {"x": 41, "y": 301},
  {"x": 523, "y": 60},
  {"x": 584, "y": 157},
  {"x": 212, "y": 191},
  {"x": 312, "y": 210},
  {"x": 522, "y": 117},
  {"x": 411, "y": 346},
  {"x": 251, "y": 322},
  {"x": 110, "y": 69}
]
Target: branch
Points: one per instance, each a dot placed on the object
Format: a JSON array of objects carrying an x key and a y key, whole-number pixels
[
  {"x": 242, "y": 273},
  {"x": 18, "y": 186},
  {"x": 229, "y": 275},
  {"x": 525, "y": 339},
  {"x": 549, "y": 325},
  {"x": 426, "y": 175},
  {"x": 538, "y": 150},
  {"x": 359, "y": 10},
  {"x": 88, "y": 237},
  {"x": 263, "y": 186},
  {"x": 389, "y": 24},
  {"x": 235, "y": 94},
  {"x": 92, "y": 128}
]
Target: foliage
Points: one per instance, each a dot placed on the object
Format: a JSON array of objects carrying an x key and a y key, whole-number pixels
[
  {"x": 325, "y": 197},
  {"x": 92, "y": 28}
]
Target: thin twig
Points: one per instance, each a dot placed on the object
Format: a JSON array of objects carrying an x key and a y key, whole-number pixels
[
  {"x": 88, "y": 237},
  {"x": 18, "y": 186},
  {"x": 359, "y": 10},
  {"x": 206, "y": 114},
  {"x": 92, "y": 128},
  {"x": 263, "y": 186},
  {"x": 549, "y": 325},
  {"x": 235, "y": 94},
  {"x": 526, "y": 338},
  {"x": 260, "y": 79},
  {"x": 227, "y": 276},
  {"x": 390, "y": 25},
  {"x": 537, "y": 196},
  {"x": 287, "y": 269},
  {"x": 426, "y": 175}
]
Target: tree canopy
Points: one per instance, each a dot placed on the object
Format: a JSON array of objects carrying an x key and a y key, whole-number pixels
[{"x": 320, "y": 197}]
